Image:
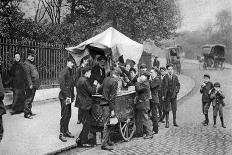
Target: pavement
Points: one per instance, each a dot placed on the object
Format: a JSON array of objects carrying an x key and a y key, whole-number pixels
[
  {"x": 40, "y": 134},
  {"x": 191, "y": 137}
]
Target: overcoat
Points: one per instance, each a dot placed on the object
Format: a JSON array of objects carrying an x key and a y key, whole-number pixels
[
  {"x": 84, "y": 93},
  {"x": 174, "y": 90}
]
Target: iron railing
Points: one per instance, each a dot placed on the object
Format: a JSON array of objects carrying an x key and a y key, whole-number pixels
[{"x": 49, "y": 60}]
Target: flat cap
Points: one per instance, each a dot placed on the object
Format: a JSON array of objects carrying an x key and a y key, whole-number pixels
[
  {"x": 216, "y": 84},
  {"x": 169, "y": 65},
  {"x": 207, "y": 75},
  {"x": 146, "y": 73},
  {"x": 143, "y": 65},
  {"x": 86, "y": 69},
  {"x": 31, "y": 52}
]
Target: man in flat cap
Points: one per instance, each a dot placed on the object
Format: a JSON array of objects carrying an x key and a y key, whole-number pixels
[
  {"x": 206, "y": 86},
  {"x": 66, "y": 97},
  {"x": 32, "y": 84},
  {"x": 143, "y": 121},
  {"x": 171, "y": 87},
  {"x": 109, "y": 92},
  {"x": 98, "y": 71}
]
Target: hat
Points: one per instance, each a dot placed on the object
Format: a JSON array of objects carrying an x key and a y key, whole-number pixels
[
  {"x": 86, "y": 69},
  {"x": 169, "y": 65},
  {"x": 146, "y": 73},
  {"x": 31, "y": 52},
  {"x": 100, "y": 58},
  {"x": 163, "y": 68},
  {"x": 132, "y": 69},
  {"x": 207, "y": 75},
  {"x": 68, "y": 59},
  {"x": 156, "y": 57},
  {"x": 216, "y": 84},
  {"x": 143, "y": 65}
]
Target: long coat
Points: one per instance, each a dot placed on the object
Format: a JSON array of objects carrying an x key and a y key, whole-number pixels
[
  {"x": 84, "y": 93},
  {"x": 143, "y": 93},
  {"x": 32, "y": 75},
  {"x": 2, "y": 107},
  {"x": 205, "y": 92},
  {"x": 155, "y": 85},
  {"x": 66, "y": 84},
  {"x": 18, "y": 75},
  {"x": 174, "y": 90}
]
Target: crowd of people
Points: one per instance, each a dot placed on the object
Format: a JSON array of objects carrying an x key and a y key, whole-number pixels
[{"x": 156, "y": 95}]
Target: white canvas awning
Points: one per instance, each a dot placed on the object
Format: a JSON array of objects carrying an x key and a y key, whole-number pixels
[{"x": 113, "y": 39}]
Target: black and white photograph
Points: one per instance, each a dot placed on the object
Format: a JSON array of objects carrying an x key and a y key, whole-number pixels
[{"x": 115, "y": 77}]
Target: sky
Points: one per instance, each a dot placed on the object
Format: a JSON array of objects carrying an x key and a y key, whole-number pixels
[{"x": 197, "y": 13}]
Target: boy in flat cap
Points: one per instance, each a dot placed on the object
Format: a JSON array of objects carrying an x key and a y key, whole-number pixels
[
  {"x": 142, "y": 88},
  {"x": 171, "y": 87},
  {"x": 32, "y": 84},
  {"x": 206, "y": 86},
  {"x": 85, "y": 102},
  {"x": 217, "y": 97},
  {"x": 66, "y": 97}
]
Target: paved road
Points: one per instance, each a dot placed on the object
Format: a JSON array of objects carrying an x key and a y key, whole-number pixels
[{"x": 191, "y": 138}]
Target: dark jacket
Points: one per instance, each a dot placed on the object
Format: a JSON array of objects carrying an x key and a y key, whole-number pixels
[
  {"x": 32, "y": 75},
  {"x": 155, "y": 85},
  {"x": 18, "y": 76},
  {"x": 66, "y": 84},
  {"x": 217, "y": 97},
  {"x": 84, "y": 93},
  {"x": 2, "y": 107},
  {"x": 156, "y": 63},
  {"x": 142, "y": 90},
  {"x": 205, "y": 92},
  {"x": 174, "y": 89},
  {"x": 109, "y": 91},
  {"x": 97, "y": 73},
  {"x": 161, "y": 90}
]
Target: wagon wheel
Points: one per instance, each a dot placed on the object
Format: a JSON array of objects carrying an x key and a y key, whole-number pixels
[{"x": 127, "y": 129}]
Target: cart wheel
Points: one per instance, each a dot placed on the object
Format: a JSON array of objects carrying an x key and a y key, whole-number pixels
[{"x": 127, "y": 129}]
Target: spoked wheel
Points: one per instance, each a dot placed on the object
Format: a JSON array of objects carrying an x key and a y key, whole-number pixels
[{"x": 127, "y": 129}]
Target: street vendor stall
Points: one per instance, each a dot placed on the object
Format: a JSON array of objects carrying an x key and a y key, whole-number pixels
[{"x": 112, "y": 44}]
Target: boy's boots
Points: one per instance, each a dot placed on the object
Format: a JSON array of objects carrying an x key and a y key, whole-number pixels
[
  {"x": 214, "y": 121},
  {"x": 206, "y": 120},
  {"x": 167, "y": 120},
  {"x": 222, "y": 121}
]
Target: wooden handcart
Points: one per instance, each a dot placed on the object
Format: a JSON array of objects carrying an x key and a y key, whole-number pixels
[{"x": 124, "y": 111}]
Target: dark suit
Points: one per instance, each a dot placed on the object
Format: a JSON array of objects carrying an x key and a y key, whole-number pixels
[
  {"x": 2, "y": 108},
  {"x": 155, "y": 86},
  {"x": 66, "y": 90},
  {"x": 97, "y": 73},
  {"x": 171, "y": 87},
  {"x": 109, "y": 92},
  {"x": 84, "y": 102},
  {"x": 32, "y": 76},
  {"x": 142, "y": 108},
  {"x": 206, "y": 97}
]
